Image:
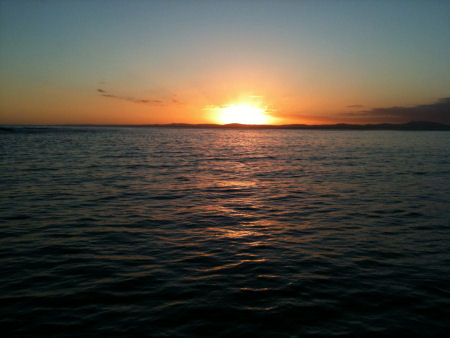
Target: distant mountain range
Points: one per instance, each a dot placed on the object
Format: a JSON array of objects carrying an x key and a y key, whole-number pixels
[{"x": 414, "y": 125}]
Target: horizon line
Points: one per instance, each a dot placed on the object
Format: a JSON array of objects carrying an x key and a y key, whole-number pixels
[{"x": 411, "y": 125}]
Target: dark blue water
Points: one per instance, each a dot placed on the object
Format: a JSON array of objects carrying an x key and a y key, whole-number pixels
[{"x": 188, "y": 232}]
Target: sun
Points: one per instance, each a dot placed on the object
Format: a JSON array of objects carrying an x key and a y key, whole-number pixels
[{"x": 242, "y": 113}]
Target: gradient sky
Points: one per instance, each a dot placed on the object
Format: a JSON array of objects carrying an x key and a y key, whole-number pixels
[{"x": 133, "y": 62}]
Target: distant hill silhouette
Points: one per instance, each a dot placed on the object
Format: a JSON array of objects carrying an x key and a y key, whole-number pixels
[{"x": 413, "y": 125}]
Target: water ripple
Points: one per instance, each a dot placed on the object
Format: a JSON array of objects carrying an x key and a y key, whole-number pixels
[{"x": 179, "y": 232}]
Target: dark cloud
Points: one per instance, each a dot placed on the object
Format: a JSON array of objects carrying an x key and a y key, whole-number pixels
[
  {"x": 355, "y": 106},
  {"x": 434, "y": 112},
  {"x": 104, "y": 93}
]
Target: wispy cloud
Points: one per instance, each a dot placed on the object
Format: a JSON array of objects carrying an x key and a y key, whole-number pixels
[
  {"x": 175, "y": 99},
  {"x": 355, "y": 106},
  {"x": 104, "y": 93},
  {"x": 435, "y": 112}
]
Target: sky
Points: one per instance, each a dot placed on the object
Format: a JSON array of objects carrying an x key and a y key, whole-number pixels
[{"x": 145, "y": 62}]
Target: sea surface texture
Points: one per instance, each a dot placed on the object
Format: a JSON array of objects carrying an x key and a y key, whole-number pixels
[{"x": 173, "y": 232}]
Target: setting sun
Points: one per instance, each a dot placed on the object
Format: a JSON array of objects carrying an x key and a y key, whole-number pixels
[{"x": 242, "y": 113}]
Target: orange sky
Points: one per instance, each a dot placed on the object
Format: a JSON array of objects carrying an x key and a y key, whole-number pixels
[{"x": 154, "y": 62}]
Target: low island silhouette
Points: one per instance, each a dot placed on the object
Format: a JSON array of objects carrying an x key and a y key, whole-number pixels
[{"x": 413, "y": 125}]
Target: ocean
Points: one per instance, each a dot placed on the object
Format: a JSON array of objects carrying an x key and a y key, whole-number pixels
[{"x": 178, "y": 232}]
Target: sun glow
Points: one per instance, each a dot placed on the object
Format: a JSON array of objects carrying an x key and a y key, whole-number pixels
[{"x": 242, "y": 113}]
